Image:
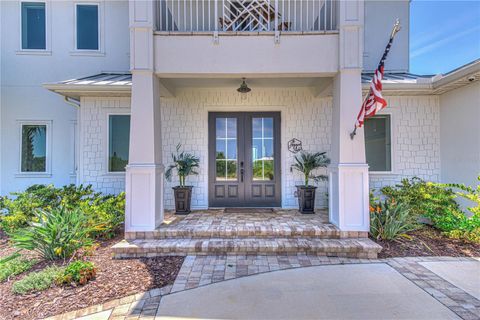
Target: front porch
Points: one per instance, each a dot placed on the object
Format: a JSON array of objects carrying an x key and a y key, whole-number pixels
[{"x": 247, "y": 231}]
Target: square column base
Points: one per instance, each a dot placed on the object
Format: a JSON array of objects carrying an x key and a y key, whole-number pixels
[
  {"x": 349, "y": 196},
  {"x": 144, "y": 197}
]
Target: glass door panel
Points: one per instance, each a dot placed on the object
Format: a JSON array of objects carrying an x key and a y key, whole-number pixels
[
  {"x": 262, "y": 149},
  {"x": 226, "y": 149}
]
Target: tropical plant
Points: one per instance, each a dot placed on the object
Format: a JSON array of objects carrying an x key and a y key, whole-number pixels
[
  {"x": 184, "y": 163},
  {"x": 307, "y": 162},
  {"x": 105, "y": 212},
  {"x": 389, "y": 220},
  {"x": 78, "y": 272},
  {"x": 456, "y": 223},
  {"x": 15, "y": 266},
  {"x": 59, "y": 233},
  {"x": 37, "y": 281},
  {"x": 423, "y": 198}
]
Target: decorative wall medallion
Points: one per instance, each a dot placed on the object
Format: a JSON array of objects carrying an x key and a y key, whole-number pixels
[{"x": 295, "y": 145}]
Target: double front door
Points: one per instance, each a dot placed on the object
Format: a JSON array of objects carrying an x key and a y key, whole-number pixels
[{"x": 244, "y": 159}]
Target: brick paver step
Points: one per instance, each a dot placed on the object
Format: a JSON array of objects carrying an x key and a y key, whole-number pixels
[
  {"x": 349, "y": 247},
  {"x": 216, "y": 224}
]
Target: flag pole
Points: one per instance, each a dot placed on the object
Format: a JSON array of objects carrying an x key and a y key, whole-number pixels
[{"x": 396, "y": 28}]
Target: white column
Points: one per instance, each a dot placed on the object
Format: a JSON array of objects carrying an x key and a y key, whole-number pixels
[
  {"x": 348, "y": 172},
  {"x": 144, "y": 176}
]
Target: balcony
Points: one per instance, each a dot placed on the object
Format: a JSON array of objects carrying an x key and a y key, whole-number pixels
[
  {"x": 246, "y": 15},
  {"x": 255, "y": 38}
]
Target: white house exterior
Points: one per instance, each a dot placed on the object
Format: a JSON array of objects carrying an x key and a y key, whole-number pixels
[{"x": 172, "y": 78}]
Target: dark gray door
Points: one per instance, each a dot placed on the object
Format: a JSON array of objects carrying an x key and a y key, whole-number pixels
[{"x": 244, "y": 159}]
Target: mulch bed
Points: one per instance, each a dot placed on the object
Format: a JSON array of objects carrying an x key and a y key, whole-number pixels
[
  {"x": 115, "y": 279},
  {"x": 427, "y": 242}
]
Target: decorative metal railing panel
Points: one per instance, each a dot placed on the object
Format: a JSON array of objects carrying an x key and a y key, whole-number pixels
[{"x": 246, "y": 15}]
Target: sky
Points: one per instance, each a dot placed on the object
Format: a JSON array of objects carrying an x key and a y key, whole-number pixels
[{"x": 444, "y": 35}]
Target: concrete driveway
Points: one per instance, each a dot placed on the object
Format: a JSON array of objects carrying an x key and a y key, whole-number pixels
[{"x": 368, "y": 291}]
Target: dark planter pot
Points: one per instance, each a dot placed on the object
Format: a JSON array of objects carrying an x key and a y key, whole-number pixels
[
  {"x": 183, "y": 199},
  {"x": 306, "y": 199}
]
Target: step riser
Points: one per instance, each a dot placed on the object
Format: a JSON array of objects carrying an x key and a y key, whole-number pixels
[
  {"x": 359, "y": 255},
  {"x": 355, "y": 248},
  {"x": 158, "y": 235}
]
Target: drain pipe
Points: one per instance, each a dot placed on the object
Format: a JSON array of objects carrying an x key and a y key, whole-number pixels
[{"x": 72, "y": 101}]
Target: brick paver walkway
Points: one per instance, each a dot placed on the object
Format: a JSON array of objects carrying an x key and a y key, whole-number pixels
[{"x": 204, "y": 270}]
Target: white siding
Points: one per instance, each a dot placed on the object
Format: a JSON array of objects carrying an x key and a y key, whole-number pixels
[
  {"x": 415, "y": 140},
  {"x": 380, "y": 15},
  {"x": 416, "y": 135},
  {"x": 22, "y": 75},
  {"x": 460, "y": 137},
  {"x": 93, "y": 151}
]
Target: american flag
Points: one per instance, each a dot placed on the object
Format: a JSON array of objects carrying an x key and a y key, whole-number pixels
[{"x": 374, "y": 100}]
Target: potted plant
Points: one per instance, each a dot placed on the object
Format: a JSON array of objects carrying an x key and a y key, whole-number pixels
[
  {"x": 306, "y": 163},
  {"x": 185, "y": 164}
]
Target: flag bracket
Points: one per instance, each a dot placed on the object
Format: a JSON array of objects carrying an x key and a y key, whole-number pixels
[{"x": 353, "y": 133}]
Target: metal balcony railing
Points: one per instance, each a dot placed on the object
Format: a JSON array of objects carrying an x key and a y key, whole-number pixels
[{"x": 246, "y": 15}]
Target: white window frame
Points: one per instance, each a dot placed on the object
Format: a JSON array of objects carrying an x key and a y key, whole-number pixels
[
  {"x": 48, "y": 27},
  {"x": 107, "y": 143},
  {"x": 48, "y": 156},
  {"x": 101, "y": 23},
  {"x": 393, "y": 146}
]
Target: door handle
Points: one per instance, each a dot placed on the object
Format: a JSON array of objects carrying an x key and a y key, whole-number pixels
[{"x": 241, "y": 175}]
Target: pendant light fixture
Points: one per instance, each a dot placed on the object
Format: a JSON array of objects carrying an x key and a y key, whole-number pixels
[{"x": 244, "y": 89}]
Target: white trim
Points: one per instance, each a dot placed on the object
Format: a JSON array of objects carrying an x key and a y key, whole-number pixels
[
  {"x": 48, "y": 149},
  {"x": 393, "y": 144},
  {"x": 101, "y": 26},
  {"x": 73, "y": 148},
  {"x": 107, "y": 143},
  {"x": 48, "y": 31}
]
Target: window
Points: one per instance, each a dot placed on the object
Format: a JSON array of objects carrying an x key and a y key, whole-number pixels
[
  {"x": 34, "y": 148},
  {"x": 118, "y": 142},
  {"x": 33, "y": 26},
  {"x": 378, "y": 143},
  {"x": 87, "y": 26}
]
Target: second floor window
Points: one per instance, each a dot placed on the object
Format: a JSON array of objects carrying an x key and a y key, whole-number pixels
[
  {"x": 118, "y": 142},
  {"x": 378, "y": 143},
  {"x": 33, "y": 26},
  {"x": 87, "y": 27}
]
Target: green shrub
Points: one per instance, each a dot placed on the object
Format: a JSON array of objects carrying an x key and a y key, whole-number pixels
[
  {"x": 389, "y": 220},
  {"x": 105, "y": 212},
  {"x": 79, "y": 272},
  {"x": 15, "y": 266},
  {"x": 59, "y": 233},
  {"x": 456, "y": 223},
  {"x": 37, "y": 281},
  {"x": 423, "y": 198}
]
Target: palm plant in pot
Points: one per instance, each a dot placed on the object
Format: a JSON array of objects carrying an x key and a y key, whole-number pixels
[
  {"x": 185, "y": 164},
  {"x": 307, "y": 163}
]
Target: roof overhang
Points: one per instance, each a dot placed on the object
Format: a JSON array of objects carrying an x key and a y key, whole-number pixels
[
  {"x": 430, "y": 85},
  {"x": 77, "y": 91}
]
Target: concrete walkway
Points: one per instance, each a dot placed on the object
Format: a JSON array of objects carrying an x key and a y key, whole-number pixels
[
  {"x": 304, "y": 286},
  {"x": 369, "y": 291},
  {"x": 464, "y": 274}
]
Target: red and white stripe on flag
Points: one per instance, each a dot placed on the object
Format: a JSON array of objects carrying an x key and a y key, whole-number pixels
[{"x": 374, "y": 101}]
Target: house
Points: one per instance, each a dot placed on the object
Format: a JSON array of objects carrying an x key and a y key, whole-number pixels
[{"x": 101, "y": 92}]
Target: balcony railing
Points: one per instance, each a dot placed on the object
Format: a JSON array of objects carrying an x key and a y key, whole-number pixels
[{"x": 246, "y": 15}]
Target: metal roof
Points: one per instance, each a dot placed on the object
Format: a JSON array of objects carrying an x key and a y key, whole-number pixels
[
  {"x": 401, "y": 77},
  {"x": 102, "y": 79}
]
